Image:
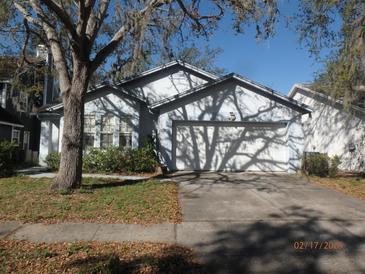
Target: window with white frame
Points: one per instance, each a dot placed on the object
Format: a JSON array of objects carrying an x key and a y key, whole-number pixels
[
  {"x": 3, "y": 95},
  {"x": 15, "y": 136},
  {"x": 26, "y": 137},
  {"x": 89, "y": 131},
  {"x": 106, "y": 130},
  {"x": 125, "y": 132}
]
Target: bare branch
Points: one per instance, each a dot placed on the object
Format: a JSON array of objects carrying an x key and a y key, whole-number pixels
[
  {"x": 197, "y": 18},
  {"x": 121, "y": 33},
  {"x": 27, "y": 15},
  {"x": 94, "y": 23},
  {"x": 85, "y": 10},
  {"x": 63, "y": 16},
  {"x": 55, "y": 45}
]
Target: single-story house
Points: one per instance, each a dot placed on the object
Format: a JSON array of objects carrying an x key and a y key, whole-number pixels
[
  {"x": 331, "y": 129},
  {"x": 200, "y": 121}
]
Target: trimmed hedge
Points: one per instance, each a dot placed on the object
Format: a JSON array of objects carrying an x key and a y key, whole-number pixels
[
  {"x": 7, "y": 158},
  {"x": 113, "y": 160}
]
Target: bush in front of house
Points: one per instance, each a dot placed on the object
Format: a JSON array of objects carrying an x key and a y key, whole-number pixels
[
  {"x": 113, "y": 160},
  {"x": 334, "y": 163},
  {"x": 53, "y": 160},
  {"x": 108, "y": 160},
  {"x": 320, "y": 164},
  {"x": 7, "y": 158},
  {"x": 317, "y": 164},
  {"x": 142, "y": 159}
]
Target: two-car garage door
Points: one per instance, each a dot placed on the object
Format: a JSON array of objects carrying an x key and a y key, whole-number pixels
[{"x": 234, "y": 146}]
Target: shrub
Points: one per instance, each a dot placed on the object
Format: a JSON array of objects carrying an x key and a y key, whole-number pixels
[
  {"x": 114, "y": 160},
  {"x": 103, "y": 160},
  {"x": 93, "y": 160},
  {"x": 144, "y": 159},
  {"x": 321, "y": 165},
  {"x": 7, "y": 158},
  {"x": 53, "y": 160},
  {"x": 317, "y": 164},
  {"x": 334, "y": 163}
]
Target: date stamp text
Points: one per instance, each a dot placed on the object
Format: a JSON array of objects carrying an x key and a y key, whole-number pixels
[{"x": 329, "y": 245}]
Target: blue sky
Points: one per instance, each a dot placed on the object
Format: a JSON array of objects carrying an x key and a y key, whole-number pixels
[{"x": 278, "y": 62}]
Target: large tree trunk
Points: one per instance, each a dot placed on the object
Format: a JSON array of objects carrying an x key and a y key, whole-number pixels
[{"x": 70, "y": 171}]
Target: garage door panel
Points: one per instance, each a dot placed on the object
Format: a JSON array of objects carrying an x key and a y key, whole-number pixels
[{"x": 200, "y": 147}]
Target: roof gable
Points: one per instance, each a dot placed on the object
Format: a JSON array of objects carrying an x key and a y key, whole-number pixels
[
  {"x": 178, "y": 63},
  {"x": 204, "y": 90},
  {"x": 320, "y": 96}
]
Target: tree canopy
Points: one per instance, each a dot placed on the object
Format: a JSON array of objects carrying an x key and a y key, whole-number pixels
[{"x": 338, "y": 25}]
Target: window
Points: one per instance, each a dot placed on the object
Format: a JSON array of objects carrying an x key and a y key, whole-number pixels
[
  {"x": 106, "y": 140},
  {"x": 88, "y": 140},
  {"x": 15, "y": 136},
  {"x": 89, "y": 123},
  {"x": 89, "y": 131},
  {"x": 3, "y": 95},
  {"x": 125, "y": 135},
  {"x": 107, "y": 129},
  {"x": 26, "y": 140}
]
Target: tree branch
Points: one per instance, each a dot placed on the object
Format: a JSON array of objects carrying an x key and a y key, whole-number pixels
[
  {"x": 121, "y": 33},
  {"x": 64, "y": 17},
  {"x": 85, "y": 10},
  {"x": 94, "y": 23},
  {"x": 197, "y": 18},
  {"x": 57, "y": 53}
]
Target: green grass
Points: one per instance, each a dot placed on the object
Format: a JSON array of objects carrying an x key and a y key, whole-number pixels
[{"x": 98, "y": 200}]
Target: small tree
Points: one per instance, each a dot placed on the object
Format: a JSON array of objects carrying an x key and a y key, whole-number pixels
[{"x": 83, "y": 34}]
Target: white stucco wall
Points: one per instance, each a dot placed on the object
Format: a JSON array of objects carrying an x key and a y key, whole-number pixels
[
  {"x": 245, "y": 104},
  {"x": 165, "y": 84},
  {"x": 331, "y": 130}
]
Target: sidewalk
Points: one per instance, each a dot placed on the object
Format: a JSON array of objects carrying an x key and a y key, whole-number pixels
[
  {"x": 70, "y": 232},
  {"x": 42, "y": 172},
  {"x": 93, "y": 175},
  {"x": 225, "y": 247}
]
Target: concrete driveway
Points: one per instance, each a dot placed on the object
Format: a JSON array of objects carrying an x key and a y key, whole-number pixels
[{"x": 249, "y": 223}]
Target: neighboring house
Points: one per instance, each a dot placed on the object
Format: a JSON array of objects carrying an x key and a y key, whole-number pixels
[
  {"x": 20, "y": 99},
  {"x": 332, "y": 130},
  {"x": 199, "y": 121},
  {"x": 18, "y": 123}
]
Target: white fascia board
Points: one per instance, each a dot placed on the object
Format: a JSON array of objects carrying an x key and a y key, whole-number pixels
[{"x": 10, "y": 124}]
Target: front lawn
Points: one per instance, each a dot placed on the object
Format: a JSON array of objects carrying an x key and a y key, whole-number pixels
[
  {"x": 26, "y": 257},
  {"x": 352, "y": 186},
  {"x": 99, "y": 200}
]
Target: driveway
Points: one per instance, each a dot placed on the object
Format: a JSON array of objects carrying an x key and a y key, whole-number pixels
[{"x": 248, "y": 223}]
